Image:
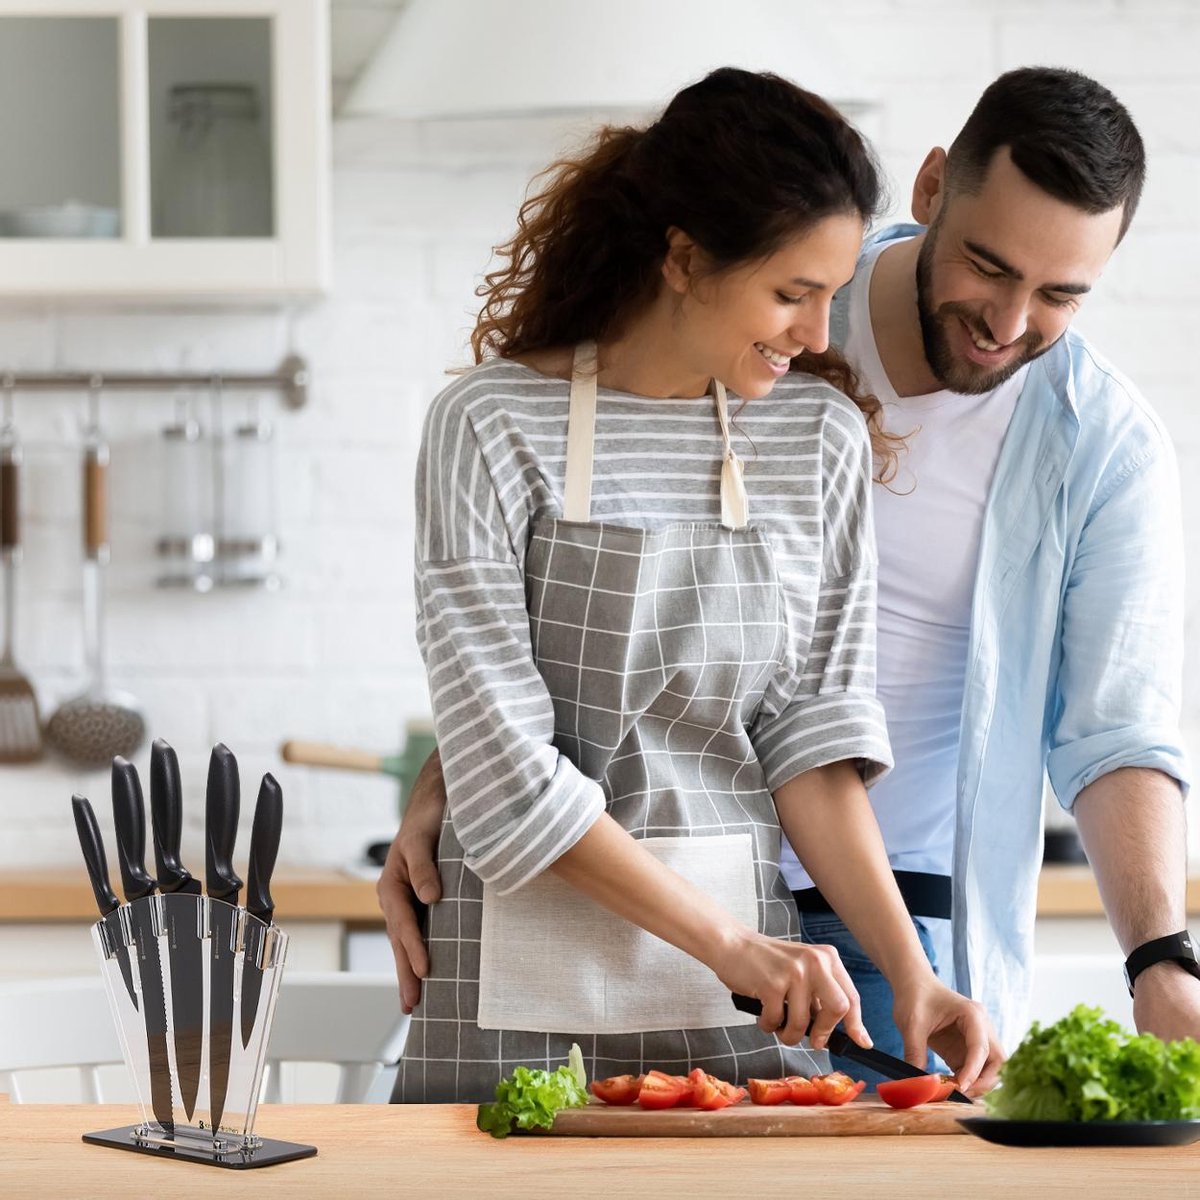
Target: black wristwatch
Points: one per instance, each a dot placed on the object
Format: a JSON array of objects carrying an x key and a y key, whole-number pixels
[{"x": 1175, "y": 947}]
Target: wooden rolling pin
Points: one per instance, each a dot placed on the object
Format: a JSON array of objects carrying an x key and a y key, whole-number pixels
[{"x": 342, "y": 758}]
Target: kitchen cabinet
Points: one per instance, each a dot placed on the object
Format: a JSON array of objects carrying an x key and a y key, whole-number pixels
[{"x": 164, "y": 148}]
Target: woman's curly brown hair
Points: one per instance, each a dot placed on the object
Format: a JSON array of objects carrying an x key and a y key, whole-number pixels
[{"x": 742, "y": 161}]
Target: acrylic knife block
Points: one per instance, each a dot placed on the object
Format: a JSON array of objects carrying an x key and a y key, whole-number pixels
[{"x": 163, "y": 1064}]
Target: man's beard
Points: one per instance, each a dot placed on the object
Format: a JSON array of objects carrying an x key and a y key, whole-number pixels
[{"x": 954, "y": 373}]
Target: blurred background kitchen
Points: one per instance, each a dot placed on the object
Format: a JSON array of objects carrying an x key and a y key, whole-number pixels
[{"x": 312, "y": 191}]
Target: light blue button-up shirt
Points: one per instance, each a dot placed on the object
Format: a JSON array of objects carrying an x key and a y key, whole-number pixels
[{"x": 1074, "y": 666}]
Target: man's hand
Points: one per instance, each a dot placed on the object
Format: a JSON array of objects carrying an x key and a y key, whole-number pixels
[
  {"x": 410, "y": 879},
  {"x": 1166, "y": 1002}
]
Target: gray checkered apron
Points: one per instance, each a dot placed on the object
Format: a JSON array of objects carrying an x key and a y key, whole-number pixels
[{"x": 656, "y": 647}]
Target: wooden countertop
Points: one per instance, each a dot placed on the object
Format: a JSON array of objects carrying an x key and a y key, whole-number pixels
[
  {"x": 300, "y": 895},
  {"x": 434, "y": 1152},
  {"x": 332, "y": 895}
]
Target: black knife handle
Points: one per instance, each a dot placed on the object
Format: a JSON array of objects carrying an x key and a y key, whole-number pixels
[
  {"x": 129, "y": 813},
  {"x": 93, "y": 855},
  {"x": 166, "y": 817},
  {"x": 222, "y": 806},
  {"x": 264, "y": 847}
]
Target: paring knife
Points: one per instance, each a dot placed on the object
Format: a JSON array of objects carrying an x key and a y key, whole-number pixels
[
  {"x": 182, "y": 920},
  {"x": 130, "y": 815},
  {"x": 106, "y": 899},
  {"x": 264, "y": 847},
  {"x": 839, "y": 1043},
  {"x": 222, "y": 803}
]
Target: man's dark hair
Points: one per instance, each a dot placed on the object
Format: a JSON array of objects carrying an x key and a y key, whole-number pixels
[{"x": 1067, "y": 133}]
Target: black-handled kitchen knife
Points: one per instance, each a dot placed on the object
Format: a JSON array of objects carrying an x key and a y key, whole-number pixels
[
  {"x": 129, "y": 813},
  {"x": 222, "y": 805},
  {"x": 840, "y": 1043},
  {"x": 106, "y": 899},
  {"x": 264, "y": 848},
  {"x": 182, "y": 921}
]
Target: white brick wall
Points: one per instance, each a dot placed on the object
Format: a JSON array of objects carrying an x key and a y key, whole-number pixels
[{"x": 417, "y": 208}]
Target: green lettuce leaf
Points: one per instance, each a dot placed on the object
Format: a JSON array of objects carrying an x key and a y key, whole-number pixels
[
  {"x": 529, "y": 1098},
  {"x": 1085, "y": 1067}
]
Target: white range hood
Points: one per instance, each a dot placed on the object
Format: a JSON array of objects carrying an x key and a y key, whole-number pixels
[{"x": 492, "y": 58}]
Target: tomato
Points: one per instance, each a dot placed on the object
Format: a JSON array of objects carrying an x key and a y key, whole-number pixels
[
  {"x": 688, "y": 1097},
  {"x": 948, "y": 1084},
  {"x": 712, "y": 1093},
  {"x": 837, "y": 1087},
  {"x": 620, "y": 1089},
  {"x": 908, "y": 1093},
  {"x": 769, "y": 1091},
  {"x": 659, "y": 1090},
  {"x": 804, "y": 1091}
]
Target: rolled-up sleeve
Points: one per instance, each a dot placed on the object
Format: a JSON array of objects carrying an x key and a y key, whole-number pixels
[
  {"x": 516, "y": 803},
  {"x": 831, "y": 713},
  {"x": 1120, "y": 679}
]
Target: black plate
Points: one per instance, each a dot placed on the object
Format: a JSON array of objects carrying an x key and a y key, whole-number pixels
[{"x": 1082, "y": 1133}]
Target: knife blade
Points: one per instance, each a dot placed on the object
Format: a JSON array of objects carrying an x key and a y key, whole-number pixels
[
  {"x": 264, "y": 848},
  {"x": 222, "y": 804},
  {"x": 129, "y": 813},
  {"x": 840, "y": 1043},
  {"x": 106, "y": 899},
  {"x": 182, "y": 921}
]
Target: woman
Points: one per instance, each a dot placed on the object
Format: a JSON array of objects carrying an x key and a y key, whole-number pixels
[{"x": 643, "y": 660}]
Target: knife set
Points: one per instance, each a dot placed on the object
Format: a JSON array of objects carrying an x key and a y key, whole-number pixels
[{"x": 192, "y": 978}]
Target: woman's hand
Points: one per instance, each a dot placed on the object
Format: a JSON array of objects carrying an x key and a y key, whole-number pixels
[
  {"x": 928, "y": 1013},
  {"x": 410, "y": 879},
  {"x": 810, "y": 980}
]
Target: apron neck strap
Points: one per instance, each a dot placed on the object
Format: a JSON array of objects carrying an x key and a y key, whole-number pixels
[{"x": 581, "y": 428}]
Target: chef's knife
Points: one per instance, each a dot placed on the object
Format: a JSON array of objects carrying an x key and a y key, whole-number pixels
[
  {"x": 106, "y": 899},
  {"x": 222, "y": 803},
  {"x": 840, "y": 1043},
  {"x": 182, "y": 923},
  {"x": 264, "y": 846},
  {"x": 130, "y": 815}
]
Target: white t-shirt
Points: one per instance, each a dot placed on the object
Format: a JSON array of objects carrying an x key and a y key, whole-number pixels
[{"x": 928, "y": 522}]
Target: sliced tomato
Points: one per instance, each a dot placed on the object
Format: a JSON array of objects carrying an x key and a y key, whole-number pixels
[
  {"x": 660, "y": 1090},
  {"x": 908, "y": 1093},
  {"x": 837, "y": 1087},
  {"x": 804, "y": 1091},
  {"x": 688, "y": 1083},
  {"x": 769, "y": 1091},
  {"x": 948, "y": 1084},
  {"x": 712, "y": 1093},
  {"x": 620, "y": 1089}
]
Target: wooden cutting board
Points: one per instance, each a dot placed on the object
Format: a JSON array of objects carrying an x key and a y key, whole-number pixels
[{"x": 866, "y": 1116}]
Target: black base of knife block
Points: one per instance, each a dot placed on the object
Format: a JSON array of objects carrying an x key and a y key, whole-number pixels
[{"x": 267, "y": 1154}]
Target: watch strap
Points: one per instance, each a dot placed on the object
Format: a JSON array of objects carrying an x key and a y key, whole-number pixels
[{"x": 1175, "y": 947}]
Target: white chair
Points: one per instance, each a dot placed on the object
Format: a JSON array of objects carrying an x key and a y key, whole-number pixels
[{"x": 351, "y": 1021}]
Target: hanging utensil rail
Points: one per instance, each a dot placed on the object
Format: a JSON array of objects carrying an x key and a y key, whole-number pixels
[{"x": 291, "y": 380}]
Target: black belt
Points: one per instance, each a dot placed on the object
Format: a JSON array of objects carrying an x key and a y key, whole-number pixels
[{"x": 924, "y": 895}]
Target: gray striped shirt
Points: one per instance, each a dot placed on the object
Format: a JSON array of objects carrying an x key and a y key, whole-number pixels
[{"x": 493, "y": 459}]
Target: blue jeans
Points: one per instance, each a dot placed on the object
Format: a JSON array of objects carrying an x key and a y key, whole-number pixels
[{"x": 874, "y": 990}]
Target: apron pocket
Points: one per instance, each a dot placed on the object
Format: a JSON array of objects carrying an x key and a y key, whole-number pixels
[{"x": 552, "y": 960}]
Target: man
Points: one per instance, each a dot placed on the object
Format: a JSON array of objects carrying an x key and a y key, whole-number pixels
[{"x": 1030, "y": 585}]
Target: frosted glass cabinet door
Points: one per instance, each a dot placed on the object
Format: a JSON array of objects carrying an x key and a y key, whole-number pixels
[
  {"x": 164, "y": 148},
  {"x": 60, "y": 127},
  {"x": 211, "y": 166}
]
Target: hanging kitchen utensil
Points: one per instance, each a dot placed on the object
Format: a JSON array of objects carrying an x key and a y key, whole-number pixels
[
  {"x": 101, "y": 721},
  {"x": 187, "y": 543},
  {"x": 20, "y": 728},
  {"x": 247, "y": 539}
]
